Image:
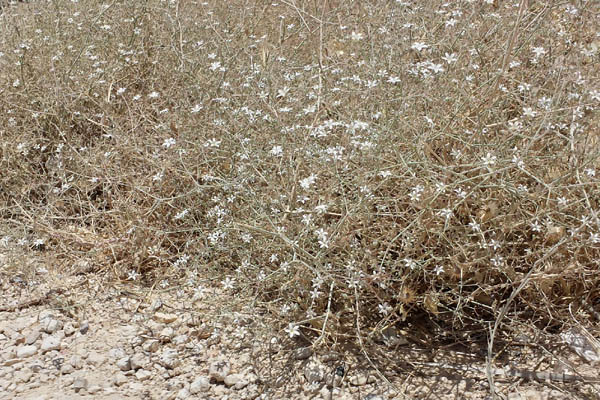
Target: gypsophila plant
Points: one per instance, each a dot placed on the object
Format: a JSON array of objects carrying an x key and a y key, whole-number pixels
[{"x": 352, "y": 164}]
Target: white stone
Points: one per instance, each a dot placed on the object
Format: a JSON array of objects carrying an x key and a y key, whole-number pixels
[
  {"x": 143, "y": 375},
  {"x": 51, "y": 325},
  {"x": 170, "y": 359},
  {"x": 139, "y": 360},
  {"x": 26, "y": 351},
  {"x": 67, "y": 369},
  {"x": 200, "y": 384},
  {"x": 124, "y": 363},
  {"x": 50, "y": 343},
  {"x": 236, "y": 380}
]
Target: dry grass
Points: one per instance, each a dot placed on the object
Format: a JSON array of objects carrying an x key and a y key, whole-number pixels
[{"x": 397, "y": 161}]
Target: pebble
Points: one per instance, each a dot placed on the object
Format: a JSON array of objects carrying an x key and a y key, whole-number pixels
[
  {"x": 139, "y": 360},
  {"x": 22, "y": 376},
  {"x": 142, "y": 375},
  {"x": 200, "y": 384},
  {"x": 119, "y": 379},
  {"x": 51, "y": 325},
  {"x": 26, "y": 351},
  {"x": 236, "y": 380},
  {"x": 303, "y": 353},
  {"x": 84, "y": 327},
  {"x": 50, "y": 343},
  {"x": 67, "y": 369},
  {"x": 124, "y": 363},
  {"x": 151, "y": 346},
  {"x": 314, "y": 372},
  {"x": 170, "y": 359},
  {"x": 80, "y": 383},
  {"x": 69, "y": 329},
  {"x": 361, "y": 379},
  {"x": 183, "y": 394},
  {"x": 32, "y": 336}
]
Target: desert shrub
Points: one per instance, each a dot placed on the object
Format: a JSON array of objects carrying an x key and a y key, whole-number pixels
[{"x": 351, "y": 164}]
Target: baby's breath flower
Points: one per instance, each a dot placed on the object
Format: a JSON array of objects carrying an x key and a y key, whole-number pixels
[
  {"x": 228, "y": 283},
  {"x": 292, "y": 330}
]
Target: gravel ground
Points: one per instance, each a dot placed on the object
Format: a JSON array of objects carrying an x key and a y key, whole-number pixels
[{"x": 74, "y": 337}]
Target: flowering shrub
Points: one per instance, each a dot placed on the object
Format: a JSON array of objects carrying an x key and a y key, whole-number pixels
[{"x": 354, "y": 165}]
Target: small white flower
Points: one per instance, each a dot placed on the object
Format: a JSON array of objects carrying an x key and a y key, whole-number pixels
[
  {"x": 450, "y": 58},
  {"x": 419, "y": 46},
  {"x": 277, "y": 151},
  {"x": 132, "y": 275},
  {"x": 475, "y": 226},
  {"x": 292, "y": 330},
  {"x": 446, "y": 213},
  {"x": 169, "y": 142},
  {"x": 307, "y": 182},
  {"x": 356, "y": 36},
  {"x": 529, "y": 112},
  {"x": 498, "y": 261},
  {"x": 228, "y": 283},
  {"x": 538, "y": 51}
]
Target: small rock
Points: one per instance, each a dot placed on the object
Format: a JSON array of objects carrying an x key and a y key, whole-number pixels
[
  {"x": 183, "y": 394},
  {"x": 181, "y": 339},
  {"x": 165, "y": 318},
  {"x": 51, "y": 325},
  {"x": 32, "y": 336},
  {"x": 119, "y": 379},
  {"x": 303, "y": 353},
  {"x": 50, "y": 343},
  {"x": 22, "y": 376},
  {"x": 18, "y": 338},
  {"x": 142, "y": 375},
  {"x": 170, "y": 359},
  {"x": 76, "y": 361},
  {"x": 80, "y": 383},
  {"x": 84, "y": 327},
  {"x": 166, "y": 334},
  {"x": 45, "y": 314},
  {"x": 314, "y": 372},
  {"x": 139, "y": 360},
  {"x": 69, "y": 329},
  {"x": 11, "y": 361},
  {"x": 124, "y": 363},
  {"x": 116, "y": 353},
  {"x": 218, "y": 370},
  {"x": 236, "y": 380},
  {"x": 151, "y": 346},
  {"x": 359, "y": 379},
  {"x": 93, "y": 389},
  {"x": 67, "y": 369},
  {"x": 26, "y": 351},
  {"x": 200, "y": 384},
  {"x": 373, "y": 396}
]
